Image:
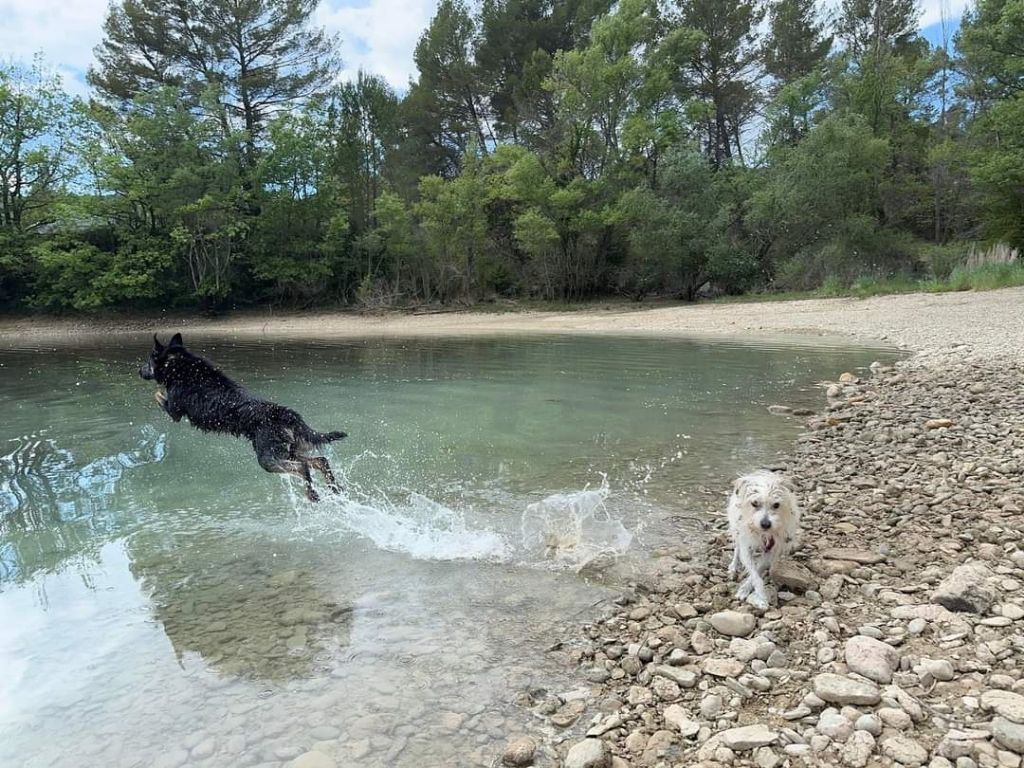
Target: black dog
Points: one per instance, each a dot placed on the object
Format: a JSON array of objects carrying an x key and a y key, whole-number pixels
[{"x": 214, "y": 403}]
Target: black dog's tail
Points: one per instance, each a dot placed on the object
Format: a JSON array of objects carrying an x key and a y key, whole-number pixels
[{"x": 320, "y": 438}]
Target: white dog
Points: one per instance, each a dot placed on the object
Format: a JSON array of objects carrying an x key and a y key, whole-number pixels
[{"x": 764, "y": 522}]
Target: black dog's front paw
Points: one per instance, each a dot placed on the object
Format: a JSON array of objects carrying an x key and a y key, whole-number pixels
[{"x": 312, "y": 495}]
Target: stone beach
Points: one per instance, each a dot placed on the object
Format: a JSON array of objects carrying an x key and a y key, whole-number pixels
[{"x": 897, "y": 638}]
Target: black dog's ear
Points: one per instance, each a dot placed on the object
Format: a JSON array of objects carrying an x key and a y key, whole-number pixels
[
  {"x": 157, "y": 346},
  {"x": 176, "y": 341}
]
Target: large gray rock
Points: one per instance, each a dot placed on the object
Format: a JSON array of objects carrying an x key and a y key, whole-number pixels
[
  {"x": 871, "y": 658},
  {"x": 966, "y": 589},
  {"x": 747, "y": 737},
  {"x": 1008, "y": 734},
  {"x": 589, "y": 753},
  {"x": 836, "y": 689},
  {"x": 733, "y": 623},
  {"x": 1006, "y": 704}
]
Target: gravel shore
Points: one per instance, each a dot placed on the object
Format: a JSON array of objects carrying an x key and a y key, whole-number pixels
[
  {"x": 898, "y": 635},
  {"x": 988, "y": 321}
]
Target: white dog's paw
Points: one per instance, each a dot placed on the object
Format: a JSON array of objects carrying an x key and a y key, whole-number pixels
[
  {"x": 744, "y": 591},
  {"x": 758, "y": 601}
]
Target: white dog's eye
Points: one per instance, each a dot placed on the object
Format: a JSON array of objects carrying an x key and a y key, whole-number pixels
[
  {"x": 755, "y": 504},
  {"x": 775, "y": 505}
]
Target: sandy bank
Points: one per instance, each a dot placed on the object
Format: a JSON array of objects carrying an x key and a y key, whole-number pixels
[{"x": 986, "y": 321}]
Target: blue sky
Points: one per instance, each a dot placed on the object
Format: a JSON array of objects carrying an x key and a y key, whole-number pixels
[{"x": 376, "y": 35}]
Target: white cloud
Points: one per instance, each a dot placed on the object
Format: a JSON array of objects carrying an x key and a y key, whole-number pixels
[
  {"x": 378, "y": 36},
  {"x": 64, "y": 31},
  {"x": 931, "y": 10}
]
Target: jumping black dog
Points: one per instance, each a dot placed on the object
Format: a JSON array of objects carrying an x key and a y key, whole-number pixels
[{"x": 214, "y": 403}]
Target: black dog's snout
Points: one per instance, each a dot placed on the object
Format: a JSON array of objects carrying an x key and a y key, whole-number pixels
[
  {"x": 766, "y": 523},
  {"x": 145, "y": 373}
]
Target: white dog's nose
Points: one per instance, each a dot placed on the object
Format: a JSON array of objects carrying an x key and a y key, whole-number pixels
[{"x": 766, "y": 523}]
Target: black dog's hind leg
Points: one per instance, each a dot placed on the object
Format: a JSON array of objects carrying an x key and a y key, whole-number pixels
[
  {"x": 321, "y": 464},
  {"x": 273, "y": 456}
]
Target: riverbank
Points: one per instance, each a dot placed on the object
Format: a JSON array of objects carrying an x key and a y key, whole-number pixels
[
  {"x": 898, "y": 637},
  {"x": 985, "y": 320}
]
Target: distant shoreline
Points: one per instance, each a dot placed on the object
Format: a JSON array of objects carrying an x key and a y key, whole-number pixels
[{"x": 915, "y": 321}]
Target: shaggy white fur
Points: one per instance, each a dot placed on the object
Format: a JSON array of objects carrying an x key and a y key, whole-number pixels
[{"x": 764, "y": 522}]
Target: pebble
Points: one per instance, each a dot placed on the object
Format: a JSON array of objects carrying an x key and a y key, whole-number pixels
[
  {"x": 870, "y": 723},
  {"x": 748, "y": 737},
  {"x": 519, "y": 752},
  {"x": 1008, "y": 734},
  {"x": 904, "y": 750},
  {"x": 837, "y": 689},
  {"x": 871, "y": 658},
  {"x": 589, "y": 753},
  {"x": 677, "y": 716},
  {"x": 733, "y": 623},
  {"x": 856, "y": 752}
]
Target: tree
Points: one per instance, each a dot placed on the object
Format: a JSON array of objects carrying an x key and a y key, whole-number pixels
[
  {"x": 38, "y": 125},
  {"x": 794, "y": 56},
  {"x": 363, "y": 133},
  {"x": 445, "y": 111},
  {"x": 514, "y": 52},
  {"x": 991, "y": 41},
  {"x": 720, "y": 73},
  {"x": 241, "y": 62}
]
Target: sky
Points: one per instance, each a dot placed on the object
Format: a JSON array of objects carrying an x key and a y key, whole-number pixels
[{"x": 376, "y": 35}]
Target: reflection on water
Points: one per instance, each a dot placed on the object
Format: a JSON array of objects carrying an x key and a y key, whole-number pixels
[
  {"x": 163, "y": 602},
  {"x": 54, "y": 506}
]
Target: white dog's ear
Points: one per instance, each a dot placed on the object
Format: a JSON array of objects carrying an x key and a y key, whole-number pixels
[
  {"x": 739, "y": 485},
  {"x": 786, "y": 481}
]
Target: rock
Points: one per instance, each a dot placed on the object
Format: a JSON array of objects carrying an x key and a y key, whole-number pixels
[
  {"x": 966, "y": 589},
  {"x": 904, "y": 750},
  {"x": 636, "y": 742},
  {"x": 793, "y": 576},
  {"x": 862, "y": 556},
  {"x": 723, "y": 667},
  {"x": 894, "y": 718},
  {"x": 836, "y": 689},
  {"x": 665, "y": 689},
  {"x": 871, "y": 658},
  {"x": 938, "y": 424},
  {"x": 1006, "y": 704},
  {"x": 934, "y": 669},
  {"x": 312, "y": 760},
  {"x": 570, "y": 712},
  {"x": 765, "y": 757},
  {"x": 780, "y": 410},
  {"x": 870, "y": 723},
  {"x": 1008, "y": 734},
  {"x": 733, "y": 623},
  {"x": 589, "y": 753},
  {"x": 857, "y": 750},
  {"x": 684, "y": 678},
  {"x": 743, "y": 649},
  {"x": 701, "y": 643},
  {"x": 519, "y": 752},
  {"x": 748, "y": 737},
  {"x": 711, "y": 706},
  {"x": 659, "y": 743},
  {"x": 677, "y": 716},
  {"x": 834, "y": 725}
]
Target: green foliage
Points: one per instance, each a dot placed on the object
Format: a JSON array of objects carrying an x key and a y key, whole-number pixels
[
  {"x": 80, "y": 276},
  {"x": 545, "y": 149}
]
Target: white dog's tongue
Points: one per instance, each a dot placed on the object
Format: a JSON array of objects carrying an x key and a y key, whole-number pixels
[{"x": 769, "y": 543}]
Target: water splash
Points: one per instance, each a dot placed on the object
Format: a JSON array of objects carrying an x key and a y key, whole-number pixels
[
  {"x": 574, "y": 529},
  {"x": 415, "y": 525}
]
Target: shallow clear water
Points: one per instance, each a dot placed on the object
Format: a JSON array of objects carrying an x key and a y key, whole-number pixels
[{"x": 165, "y": 602}]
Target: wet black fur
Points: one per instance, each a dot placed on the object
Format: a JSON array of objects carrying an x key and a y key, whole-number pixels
[{"x": 214, "y": 403}]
